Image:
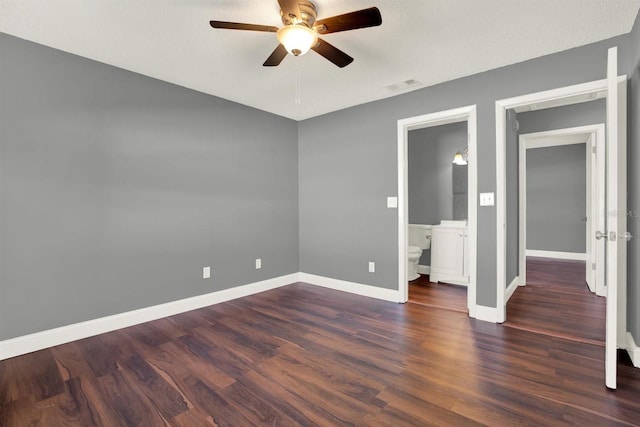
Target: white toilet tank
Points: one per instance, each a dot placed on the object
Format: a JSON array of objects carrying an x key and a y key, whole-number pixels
[{"x": 420, "y": 236}]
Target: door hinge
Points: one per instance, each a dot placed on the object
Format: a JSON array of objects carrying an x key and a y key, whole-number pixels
[
  {"x": 593, "y": 266},
  {"x": 593, "y": 149}
]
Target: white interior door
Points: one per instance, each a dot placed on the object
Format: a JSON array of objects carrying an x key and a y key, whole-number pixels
[
  {"x": 616, "y": 228},
  {"x": 591, "y": 213}
]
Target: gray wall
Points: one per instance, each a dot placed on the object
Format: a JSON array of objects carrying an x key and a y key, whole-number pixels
[
  {"x": 512, "y": 233},
  {"x": 633, "y": 279},
  {"x": 116, "y": 189},
  {"x": 348, "y": 166},
  {"x": 556, "y": 198},
  {"x": 587, "y": 113}
]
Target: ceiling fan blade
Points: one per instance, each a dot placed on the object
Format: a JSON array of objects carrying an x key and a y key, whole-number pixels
[
  {"x": 290, "y": 8},
  {"x": 241, "y": 26},
  {"x": 349, "y": 21},
  {"x": 276, "y": 57},
  {"x": 332, "y": 53}
]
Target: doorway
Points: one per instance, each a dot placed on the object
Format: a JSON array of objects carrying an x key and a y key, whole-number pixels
[
  {"x": 574, "y": 144},
  {"x": 463, "y": 114},
  {"x": 615, "y": 235},
  {"x": 438, "y": 193},
  {"x": 561, "y": 195}
]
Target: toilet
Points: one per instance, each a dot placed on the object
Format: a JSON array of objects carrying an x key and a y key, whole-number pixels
[{"x": 419, "y": 240}]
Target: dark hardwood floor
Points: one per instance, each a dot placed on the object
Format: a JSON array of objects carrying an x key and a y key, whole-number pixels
[
  {"x": 556, "y": 301},
  {"x": 438, "y": 295},
  {"x": 302, "y": 355}
]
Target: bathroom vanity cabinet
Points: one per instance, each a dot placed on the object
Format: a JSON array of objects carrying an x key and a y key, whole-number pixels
[{"x": 449, "y": 253}]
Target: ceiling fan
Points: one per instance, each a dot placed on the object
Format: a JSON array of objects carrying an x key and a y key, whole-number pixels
[{"x": 301, "y": 30}]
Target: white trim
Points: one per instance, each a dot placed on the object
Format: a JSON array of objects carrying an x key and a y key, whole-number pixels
[
  {"x": 456, "y": 115},
  {"x": 424, "y": 269},
  {"x": 560, "y": 96},
  {"x": 64, "y": 334},
  {"x": 512, "y": 287},
  {"x": 403, "y": 210},
  {"x": 576, "y": 256},
  {"x": 392, "y": 295},
  {"x": 556, "y": 138},
  {"x": 522, "y": 210},
  {"x": 633, "y": 350},
  {"x": 487, "y": 314}
]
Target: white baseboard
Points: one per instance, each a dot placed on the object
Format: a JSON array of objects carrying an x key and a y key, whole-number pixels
[
  {"x": 392, "y": 295},
  {"x": 488, "y": 314},
  {"x": 633, "y": 350},
  {"x": 576, "y": 256},
  {"x": 424, "y": 269},
  {"x": 511, "y": 288},
  {"x": 64, "y": 334}
]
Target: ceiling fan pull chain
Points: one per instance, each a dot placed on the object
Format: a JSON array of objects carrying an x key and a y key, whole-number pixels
[{"x": 297, "y": 100}]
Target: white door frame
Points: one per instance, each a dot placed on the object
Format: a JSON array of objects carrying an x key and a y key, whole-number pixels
[
  {"x": 540, "y": 100},
  {"x": 462, "y": 114},
  {"x": 593, "y": 136}
]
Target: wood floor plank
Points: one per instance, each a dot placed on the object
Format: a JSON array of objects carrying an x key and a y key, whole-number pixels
[
  {"x": 35, "y": 374},
  {"x": 168, "y": 401},
  {"x": 255, "y": 408},
  {"x": 128, "y": 406},
  {"x": 177, "y": 361}
]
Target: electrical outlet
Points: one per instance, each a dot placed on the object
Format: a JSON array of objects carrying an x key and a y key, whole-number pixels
[
  {"x": 206, "y": 272},
  {"x": 372, "y": 267},
  {"x": 392, "y": 202},
  {"x": 258, "y": 263}
]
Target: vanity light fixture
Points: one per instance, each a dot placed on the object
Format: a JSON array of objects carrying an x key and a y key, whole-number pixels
[{"x": 461, "y": 157}]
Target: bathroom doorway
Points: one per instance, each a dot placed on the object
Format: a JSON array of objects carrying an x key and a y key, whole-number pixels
[
  {"x": 437, "y": 187},
  {"x": 424, "y": 210}
]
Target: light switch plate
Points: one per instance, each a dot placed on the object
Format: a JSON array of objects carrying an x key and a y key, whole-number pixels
[
  {"x": 206, "y": 272},
  {"x": 258, "y": 263},
  {"x": 486, "y": 199},
  {"x": 392, "y": 202},
  {"x": 372, "y": 267}
]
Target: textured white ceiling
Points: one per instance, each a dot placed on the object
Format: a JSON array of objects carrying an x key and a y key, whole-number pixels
[{"x": 427, "y": 40}]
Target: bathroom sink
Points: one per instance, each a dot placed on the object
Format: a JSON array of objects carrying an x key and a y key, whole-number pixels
[{"x": 453, "y": 223}]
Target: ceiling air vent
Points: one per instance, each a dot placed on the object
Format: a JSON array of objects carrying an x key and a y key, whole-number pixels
[{"x": 405, "y": 84}]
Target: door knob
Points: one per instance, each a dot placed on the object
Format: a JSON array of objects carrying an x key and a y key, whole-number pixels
[
  {"x": 600, "y": 235},
  {"x": 626, "y": 236}
]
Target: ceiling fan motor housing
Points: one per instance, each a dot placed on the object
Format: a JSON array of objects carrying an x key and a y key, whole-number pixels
[{"x": 308, "y": 13}]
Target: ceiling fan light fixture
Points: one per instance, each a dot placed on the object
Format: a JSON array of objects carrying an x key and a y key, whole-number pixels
[{"x": 297, "y": 39}]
